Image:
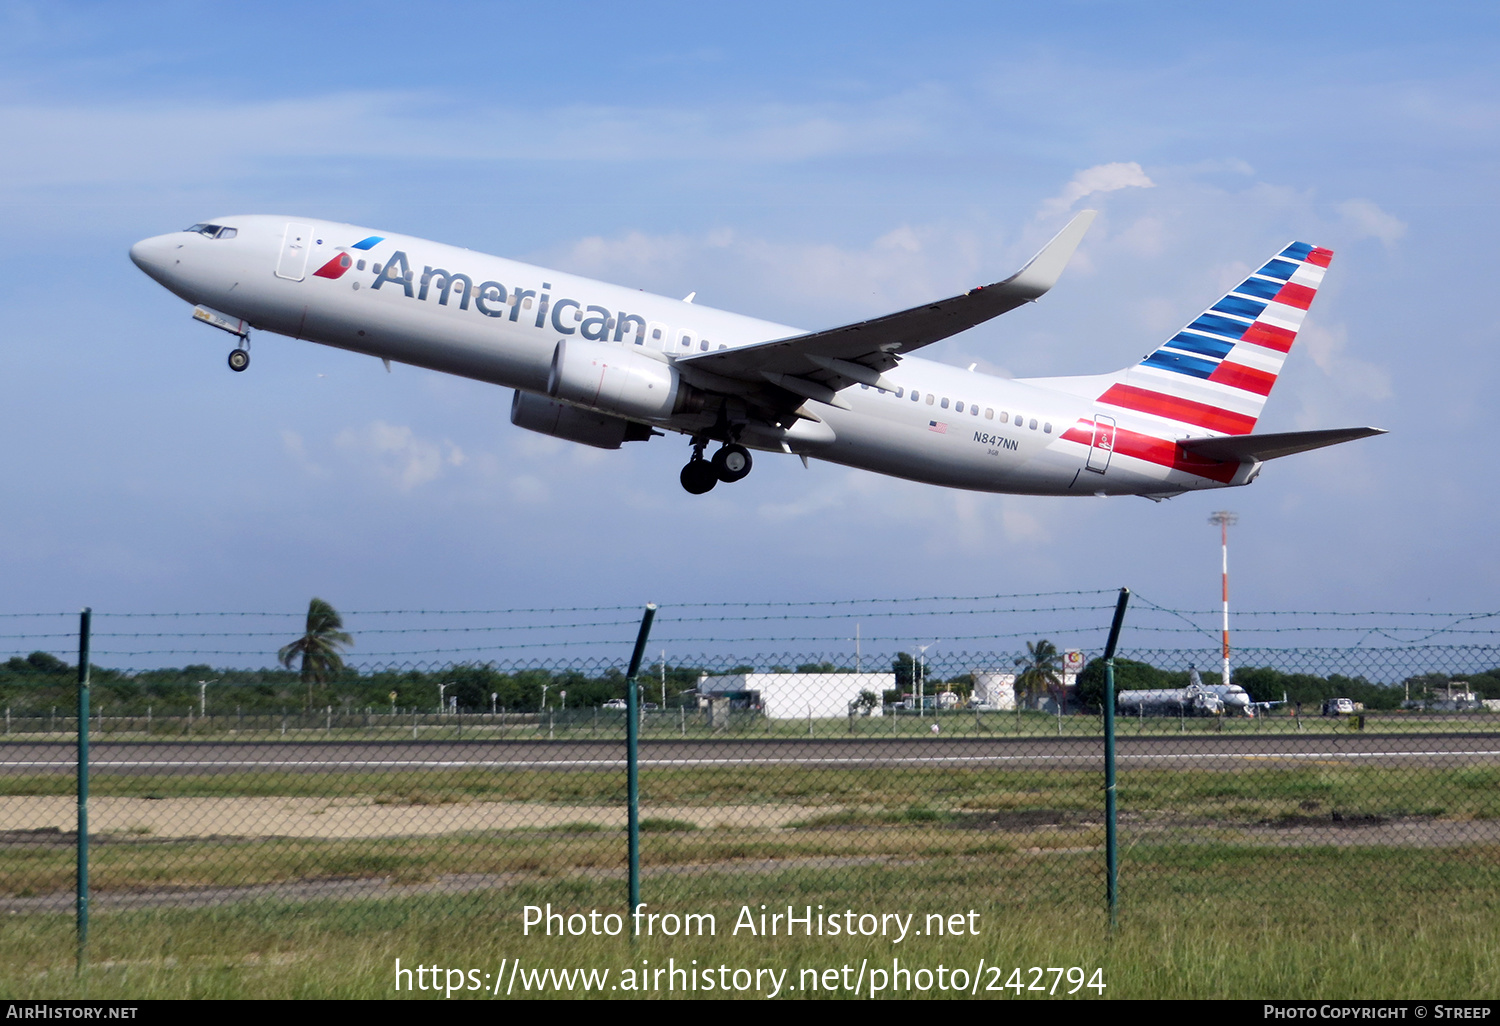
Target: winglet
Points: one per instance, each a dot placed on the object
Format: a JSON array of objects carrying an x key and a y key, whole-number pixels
[{"x": 1042, "y": 272}]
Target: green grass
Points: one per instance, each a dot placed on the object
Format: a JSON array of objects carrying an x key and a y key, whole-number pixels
[
  {"x": 1229, "y": 923},
  {"x": 890, "y": 813},
  {"x": 1238, "y": 883}
]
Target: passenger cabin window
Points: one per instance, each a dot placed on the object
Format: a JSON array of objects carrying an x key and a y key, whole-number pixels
[
  {"x": 1004, "y": 417},
  {"x": 1033, "y": 423},
  {"x": 930, "y": 398},
  {"x": 359, "y": 266},
  {"x": 973, "y": 410},
  {"x": 958, "y": 407},
  {"x": 1047, "y": 427},
  {"x": 900, "y": 392},
  {"x": 916, "y": 396},
  {"x": 944, "y": 403},
  {"x": 703, "y": 346},
  {"x": 989, "y": 413}
]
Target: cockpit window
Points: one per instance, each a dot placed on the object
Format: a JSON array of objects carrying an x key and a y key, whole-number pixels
[{"x": 214, "y": 231}]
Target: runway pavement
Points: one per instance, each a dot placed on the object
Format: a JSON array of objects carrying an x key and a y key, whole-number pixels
[{"x": 1199, "y": 751}]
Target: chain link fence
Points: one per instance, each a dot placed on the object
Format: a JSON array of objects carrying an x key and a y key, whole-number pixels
[{"x": 477, "y": 784}]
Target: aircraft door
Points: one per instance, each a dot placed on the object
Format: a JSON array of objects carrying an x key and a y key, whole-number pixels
[
  {"x": 295, "y": 245},
  {"x": 1103, "y": 446}
]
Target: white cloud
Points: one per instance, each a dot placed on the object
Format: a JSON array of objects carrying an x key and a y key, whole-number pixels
[
  {"x": 1146, "y": 236},
  {"x": 166, "y": 142},
  {"x": 1021, "y": 523},
  {"x": 906, "y": 264},
  {"x": 831, "y": 494},
  {"x": 530, "y": 490},
  {"x": 1351, "y": 377},
  {"x": 1369, "y": 221},
  {"x": 292, "y": 442},
  {"x": 1099, "y": 178},
  {"x": 400, "y": 456}
]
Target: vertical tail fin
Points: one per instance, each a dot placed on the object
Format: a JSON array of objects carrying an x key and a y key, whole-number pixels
[{"x": 1216, "y": 373}]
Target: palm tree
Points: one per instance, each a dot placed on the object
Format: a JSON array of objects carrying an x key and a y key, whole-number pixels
[
  {"x": 318, "y": 646},
  {"x": 1041, "y": 670}
]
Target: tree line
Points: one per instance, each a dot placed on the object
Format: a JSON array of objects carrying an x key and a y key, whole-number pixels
[{"x": 1267, "y": 684}]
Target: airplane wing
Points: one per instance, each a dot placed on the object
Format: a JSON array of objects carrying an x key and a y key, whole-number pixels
[
  {"x": 817, "y": 365},
  {"x": 1232, "y": 448}
]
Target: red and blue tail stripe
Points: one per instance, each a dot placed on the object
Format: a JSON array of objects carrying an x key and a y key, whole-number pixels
[{"x": 1214, "y": 375}]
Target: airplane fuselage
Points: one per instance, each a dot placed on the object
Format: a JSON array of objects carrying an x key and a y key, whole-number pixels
[{"x": 448, "y": 309}]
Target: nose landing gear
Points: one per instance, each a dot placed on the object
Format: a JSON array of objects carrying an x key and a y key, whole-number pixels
[
  {"x": 239, "y": 359},
  {"x": 731, "y": 463}
]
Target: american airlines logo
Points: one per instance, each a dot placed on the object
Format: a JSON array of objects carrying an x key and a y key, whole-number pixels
[{"x": 342, "y": 261}]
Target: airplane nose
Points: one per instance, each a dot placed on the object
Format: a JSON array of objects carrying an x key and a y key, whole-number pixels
[{"x": 153, "y": 255}]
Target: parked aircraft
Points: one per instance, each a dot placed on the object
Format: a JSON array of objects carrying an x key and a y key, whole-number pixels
[
  {"x": 1197, "y": 699},
  {"x": 603, "y": 365}
]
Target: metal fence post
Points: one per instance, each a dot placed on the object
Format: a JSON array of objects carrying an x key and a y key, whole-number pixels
[
  {"x": 83, "y": 787},
  {"x": 632, "y": 769},
  {"x": 1111, "y": 839}
]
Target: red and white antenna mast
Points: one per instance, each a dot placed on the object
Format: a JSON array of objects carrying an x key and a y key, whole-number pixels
[{"x": 1224, "y": 518}]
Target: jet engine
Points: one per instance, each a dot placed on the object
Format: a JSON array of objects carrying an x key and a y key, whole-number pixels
[
  {"x": 618, "y": 380},
  {"x": 550, "y": 417}
]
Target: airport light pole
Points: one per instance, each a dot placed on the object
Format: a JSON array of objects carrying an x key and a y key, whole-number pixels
[
  {"x": 1224, "y": 518},
  {"x": 203, "y": 696},
  {"x": 921, "y": 675}
]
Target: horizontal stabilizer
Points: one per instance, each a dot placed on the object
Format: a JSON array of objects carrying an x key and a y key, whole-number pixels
[{"x": 1271, "y": 446}]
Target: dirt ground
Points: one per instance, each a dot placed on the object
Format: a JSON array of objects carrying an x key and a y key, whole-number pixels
[{"x": 348, "y": 817}]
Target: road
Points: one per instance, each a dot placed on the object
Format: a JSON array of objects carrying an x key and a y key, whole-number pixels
[{"x": 1167, "y": 752}]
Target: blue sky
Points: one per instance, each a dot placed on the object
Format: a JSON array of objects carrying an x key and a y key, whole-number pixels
[{"x": 811, "y": 164}]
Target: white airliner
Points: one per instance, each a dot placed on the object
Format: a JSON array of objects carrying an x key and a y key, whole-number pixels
[
  {"x": 603, "y": 364},
  {"x": 1198, "y": 699}
]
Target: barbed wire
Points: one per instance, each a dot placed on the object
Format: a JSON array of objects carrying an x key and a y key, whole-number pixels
[{"x": 1071, "y": 618}]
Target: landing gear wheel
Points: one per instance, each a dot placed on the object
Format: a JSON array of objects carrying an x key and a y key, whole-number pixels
[
  {"x": 732, "y": 463},
  {"x": 239, "y": 359},
  {"x": 699, "y": 476}
]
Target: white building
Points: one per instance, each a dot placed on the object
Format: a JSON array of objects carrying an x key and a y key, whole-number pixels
[{"x": 790, "y": 696}]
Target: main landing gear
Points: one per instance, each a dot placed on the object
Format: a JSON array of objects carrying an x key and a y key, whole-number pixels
[
  {"x": 239, "y": 359},
  {"x": 731, "y": 463}
]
